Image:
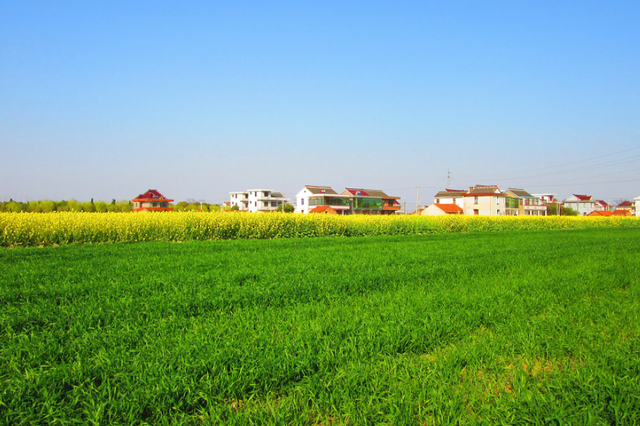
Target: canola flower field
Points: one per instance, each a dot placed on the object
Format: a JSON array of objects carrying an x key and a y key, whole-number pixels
[
  {"x": 45, "y": 229},
  {"x": 518, "y": 328}
]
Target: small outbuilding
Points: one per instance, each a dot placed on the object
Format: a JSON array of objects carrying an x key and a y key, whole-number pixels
[
  {"x": 152, "y": 201},
  {"x": 323, "y": 210},
  {"x": 436, "y": 209}
]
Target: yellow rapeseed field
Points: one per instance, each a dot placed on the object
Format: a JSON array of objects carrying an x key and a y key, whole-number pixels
[{"x": 44, "y": 229}]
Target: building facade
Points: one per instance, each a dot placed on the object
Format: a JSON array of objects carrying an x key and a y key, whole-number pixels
[
  {"x": 520, "y": 203},
  {"x": 450, "y": 196},
  {"x": 485, "y": 200},
  {"x": 257, "y": 200},
  {"x": 313, "y": 198},
  {"x": 583, "y": 204}
]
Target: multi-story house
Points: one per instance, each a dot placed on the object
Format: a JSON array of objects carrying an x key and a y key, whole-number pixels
[
  {"x": 486, "y": 200},
  {"x": 257, "y": 200},
  {"x": 313, "y": 199},
  {"x": 312, "y": 196},
  {"x": 239, "y": 199},
  {"x": 450, "y": 196},
  {"x": 371, "y": 201},
  {"x": 637, "y": 202},
  {"x": 583, "y": 204},
  {"x": 520, "y": 203},
  {"x": 151, "y": 201}
]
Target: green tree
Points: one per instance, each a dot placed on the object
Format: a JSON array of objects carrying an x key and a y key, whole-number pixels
[
  {"x": 568, "y": 211},
  {"x": 100, "y": 206},
  {"x": 74, "y": 206},
  {"x": 181, "y": 206},
  {"x": 46, "y": 206},
  {"x": 124, "y": 206},
  {"x": 14, "y": 207}
]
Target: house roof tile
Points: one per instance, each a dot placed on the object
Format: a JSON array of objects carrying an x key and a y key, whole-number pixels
[{"x": 449, "y": 208}]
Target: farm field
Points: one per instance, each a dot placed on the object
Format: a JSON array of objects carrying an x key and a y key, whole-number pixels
[
  {"x": 53, "y": 229},
  {"x": 530, "y": 327}
]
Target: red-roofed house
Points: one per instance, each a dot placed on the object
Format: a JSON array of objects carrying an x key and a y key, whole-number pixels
[
  {"x": 436, "y": 209},
  {"x": 603, "y": 206},
  {"x": 151, "y": 201},
  {"x": 583, "y": 204},
  {"x": 625, "y": 205}
]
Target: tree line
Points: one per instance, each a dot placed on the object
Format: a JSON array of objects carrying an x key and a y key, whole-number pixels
[{"x": 46, "y": 206}]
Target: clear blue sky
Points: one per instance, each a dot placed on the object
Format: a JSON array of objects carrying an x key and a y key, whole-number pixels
[{"x": 107, "y": 99}]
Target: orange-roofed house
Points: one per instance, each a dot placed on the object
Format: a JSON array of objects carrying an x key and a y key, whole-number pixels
[
  {"x": 436, "y": 209},
  {"x": 601, "y": 213},
  {"x": 151, "y": 201},
  {"x": 622, "y": 213}
]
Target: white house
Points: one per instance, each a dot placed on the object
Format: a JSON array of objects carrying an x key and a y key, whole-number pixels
[
  {"x": 315, "y": 199},
  {"x": 637, "y": 200},
  {"x": 583, "y": 204},
  {"x": 450, "y": 196},
  {"x": 257, "y": 200},
  {"x": 240, "y": 199},
  {"x": 485, "y": 200},
  {"x": 309, "y": 198}
]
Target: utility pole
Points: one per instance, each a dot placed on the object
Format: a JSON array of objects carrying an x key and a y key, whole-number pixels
[{"x": 449, "y": 178}]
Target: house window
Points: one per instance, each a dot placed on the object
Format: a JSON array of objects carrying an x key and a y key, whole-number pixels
[
  {"x": 437, "y": 200},
  {"x": 475, "y": 200},
  {"x": 302, "y": 201},
  {"x": 498, "y": 200}
]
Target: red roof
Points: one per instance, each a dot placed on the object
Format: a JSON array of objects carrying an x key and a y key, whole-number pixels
[
  {"x": 150, "y": 195},
  {"x": 355, "y": 191},
  {"x": 583, "y": 197},
  {"x": 449, "y": 208},
  {"x": 600, "y": 213},
  {"x": 626, "y": 204},
  {"x": 622, "y": 212}
]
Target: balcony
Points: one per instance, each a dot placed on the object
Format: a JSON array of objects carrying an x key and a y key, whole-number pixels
[{"x": 393, "y": 208}]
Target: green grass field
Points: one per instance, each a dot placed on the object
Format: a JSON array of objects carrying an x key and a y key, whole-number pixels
[{"x": 526, "y": 327}]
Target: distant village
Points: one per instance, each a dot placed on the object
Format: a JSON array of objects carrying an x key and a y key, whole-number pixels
[{"x": 482, "y": 200}]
